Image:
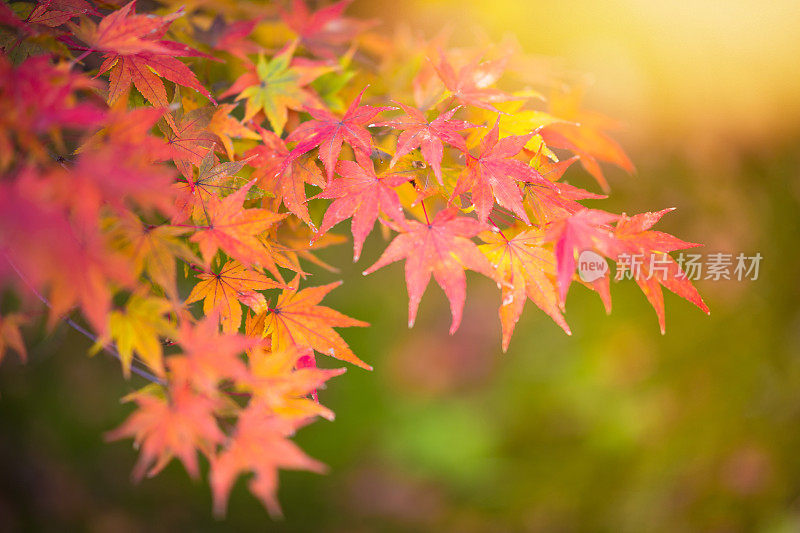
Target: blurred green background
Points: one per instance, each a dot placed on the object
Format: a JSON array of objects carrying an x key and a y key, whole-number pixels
[{"x": 616, "y": 428}]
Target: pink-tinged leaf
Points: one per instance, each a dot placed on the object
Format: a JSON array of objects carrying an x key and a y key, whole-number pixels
[
  {"x": 360, "y": 194},
  {"x": 493, "y": 175},
  {"x": 587, "y": 229},
  {"x": 429, "y": 136},
  {"x": 329, "y": 133},
  {"x": 443, "y": 249}
]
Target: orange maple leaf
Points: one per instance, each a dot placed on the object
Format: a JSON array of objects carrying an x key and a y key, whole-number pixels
[
  {"x": 584, "y": 134},
  {"x": 297, "y": 321},
  {"x": 235, "y": 229},
  {"x": 222, "y": 291},
  {"x": 260, "y": 445},
  {"x": 525, "y": 269},
  {"x": 657, "y": 268},
  {"x": 165, "y": 428}
]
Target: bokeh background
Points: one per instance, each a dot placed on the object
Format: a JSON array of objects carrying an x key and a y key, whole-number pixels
[{"x": 616, "y": 428}]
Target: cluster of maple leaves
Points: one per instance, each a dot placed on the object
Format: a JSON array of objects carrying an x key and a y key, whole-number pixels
[{"x": 124, "y": 181}]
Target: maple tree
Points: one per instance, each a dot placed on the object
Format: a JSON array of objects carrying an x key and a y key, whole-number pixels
[{"x": 135, "y": 185}]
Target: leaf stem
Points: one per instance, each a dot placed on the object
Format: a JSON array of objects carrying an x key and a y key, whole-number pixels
[
  {"x": 500, "y": 231},
  {"x": 427, "y": 220}
]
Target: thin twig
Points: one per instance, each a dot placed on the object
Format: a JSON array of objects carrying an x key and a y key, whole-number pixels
[{"x": 110, "y": 349}]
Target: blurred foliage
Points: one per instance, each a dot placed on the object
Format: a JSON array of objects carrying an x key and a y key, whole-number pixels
[{"x": 616, "y": 428}]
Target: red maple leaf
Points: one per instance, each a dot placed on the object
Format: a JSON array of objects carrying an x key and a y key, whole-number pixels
[
  {"x": 587, "y": 229},
  {"x": 429, "y": 136},
  {"x": 123, "y": 32},
  {"x": 557, "y": 200},
  {"x": 37, "y": 98},
  {"x": 329, "y": 133},
  {"x": 443, "y": 248},
  {"x": 76, "y": 265},
  {"x": 89, "y": 186},
  {"x": 323, "y": 32},
  {"x": 136, "y": 55},
  {"x": 471, "y": 85},
  {"x": 583, "y": 133},
  {"x": 56, "y": 12},
  {"x": 188, "y": 141},
  {"x": 360, "y": 194},
  {"x": 230, "y": 37},
  {"x": 657, "y": 268},
  {"x": 208, "y": 356},
  {"x": 144, "y": 71},
  {"x": 287, "y": 183},
  {"x": 493, "y": 175}
]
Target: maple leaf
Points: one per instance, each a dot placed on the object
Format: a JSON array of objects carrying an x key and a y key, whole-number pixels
[
  {"x": 284, "y": 380},
  {"x": 187, "y": 140},
  {"x": 493, "y": 175},
  {"x": 297, "y": 321},
  {"x": 128, "y": 130},
  {"x": 525, "y": 269},
  {"x": 139, "y": 329},
  {"x": 123, "y": 32},
  {"x": 88, "y": 186},
  {"x": 208, "y": 355},
  {"x": 657, "y": 268},
  {"x": 429, "y": 136},
  {"x": 134, "y": 55},
  {"x": 56, "y": 12},
  {"x": 443, "y": 248},
  {"x": 587, "y": 229},
  {"x": 144, "y": 71},
  {"x": 329, "y": 133},
  {"x": 153, "y": 250},
  {"x": 10, "y": 336},
  {"x": 193, "y": 192},
  {"x": 323, "y": 31},
  {"x": 222, "y": 290},
  {"x": 471, "y": 85},
  {"x": 163, "y": 428},
  {"x": 260, "y": 445},
  {"x": 583, "y": 134},
  {"x": 287, "y": 183},
  {"x": 76, "y": 265},
  {"x": 234, "y": 229},
  {"x": 38, "y": 98},
  {"x": 224, "y": 126},
  {"x": 360, "y": 194},
  {"x": 229, "y": 36},
  {"x": 275, "y": 86},
  {"x": 560, "y": 199}
]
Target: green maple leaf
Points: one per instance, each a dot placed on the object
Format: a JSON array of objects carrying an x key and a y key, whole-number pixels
[{"x": 277, "y": 86}]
